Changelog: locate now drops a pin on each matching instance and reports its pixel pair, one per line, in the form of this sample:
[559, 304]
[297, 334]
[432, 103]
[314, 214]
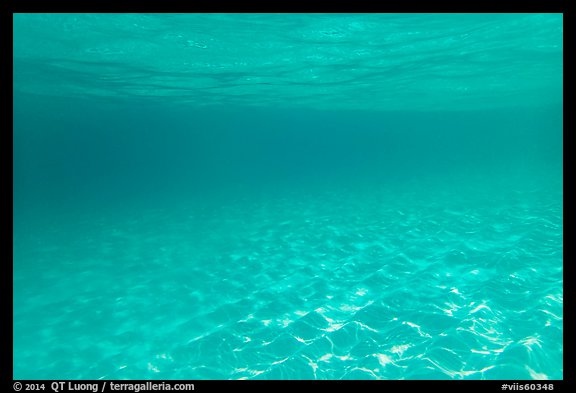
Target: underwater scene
[288, 196]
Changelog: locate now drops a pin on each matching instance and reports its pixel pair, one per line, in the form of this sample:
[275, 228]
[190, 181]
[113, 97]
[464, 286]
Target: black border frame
[420, 6]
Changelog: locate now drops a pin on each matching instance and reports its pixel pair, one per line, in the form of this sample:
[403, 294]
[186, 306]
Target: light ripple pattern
[339, 285]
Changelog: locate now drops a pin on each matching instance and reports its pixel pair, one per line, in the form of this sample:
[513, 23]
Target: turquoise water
[297, 196]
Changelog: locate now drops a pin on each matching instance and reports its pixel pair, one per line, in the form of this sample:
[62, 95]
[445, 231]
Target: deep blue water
[303, 196]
